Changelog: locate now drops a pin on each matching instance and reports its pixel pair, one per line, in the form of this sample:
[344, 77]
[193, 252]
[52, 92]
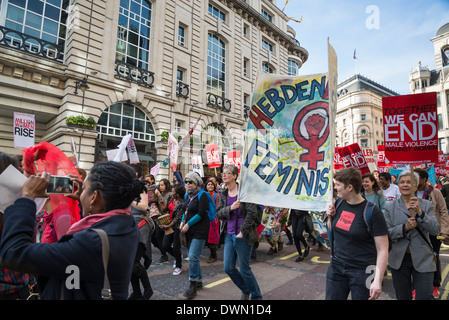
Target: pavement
[278, 275]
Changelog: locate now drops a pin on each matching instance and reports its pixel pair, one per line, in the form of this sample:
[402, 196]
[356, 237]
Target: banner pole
[412, 174]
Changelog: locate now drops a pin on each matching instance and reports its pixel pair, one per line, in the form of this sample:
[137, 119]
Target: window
[44, 19]
[216, 65]
[267, 46]
[364, 142]
[267, 68]
[212, 134]
[217, 13]
[181, 36]
[440, 122]
[293, 68]
[180, 75]
[266, 15]
[122, 118]
[363, 117]
[246, 67]
[133, 35]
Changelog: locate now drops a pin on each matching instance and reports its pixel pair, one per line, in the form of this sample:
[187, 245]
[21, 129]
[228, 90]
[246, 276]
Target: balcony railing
[16, 40]
[182, 89]
[218, 102]
[132, 73]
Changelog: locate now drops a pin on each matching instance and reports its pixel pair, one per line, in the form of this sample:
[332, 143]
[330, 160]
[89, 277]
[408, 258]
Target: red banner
[352, 156]
[213, 156]
[411, 128]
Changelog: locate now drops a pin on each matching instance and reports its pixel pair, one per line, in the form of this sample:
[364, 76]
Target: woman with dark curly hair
[73, 266]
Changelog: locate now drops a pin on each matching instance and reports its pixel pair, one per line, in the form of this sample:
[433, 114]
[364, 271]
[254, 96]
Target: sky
[389, 37]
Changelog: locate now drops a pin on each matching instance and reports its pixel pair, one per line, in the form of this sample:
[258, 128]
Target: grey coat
[250, 215]
[396, 216]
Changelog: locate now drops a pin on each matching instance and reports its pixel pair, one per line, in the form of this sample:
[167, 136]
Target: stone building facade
[359, 112]
[141, 67]
[422, 79]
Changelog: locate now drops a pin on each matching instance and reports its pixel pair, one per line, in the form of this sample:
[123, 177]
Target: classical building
[359, 112]
[421, 80]
[138, 66]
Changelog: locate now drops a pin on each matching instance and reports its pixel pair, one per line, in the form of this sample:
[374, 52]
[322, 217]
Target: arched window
[216, 66]
[213, 134]
[293, 68]
[122, 118]
[43, 19]
[133, 35]
[266, 67]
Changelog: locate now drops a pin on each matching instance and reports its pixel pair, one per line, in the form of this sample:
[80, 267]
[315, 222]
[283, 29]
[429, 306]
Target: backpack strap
[368, 214]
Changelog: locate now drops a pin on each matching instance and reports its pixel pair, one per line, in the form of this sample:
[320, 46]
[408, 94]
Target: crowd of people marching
[376, 222]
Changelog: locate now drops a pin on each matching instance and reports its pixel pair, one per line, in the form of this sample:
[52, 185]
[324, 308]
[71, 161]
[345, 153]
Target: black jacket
[82, 250]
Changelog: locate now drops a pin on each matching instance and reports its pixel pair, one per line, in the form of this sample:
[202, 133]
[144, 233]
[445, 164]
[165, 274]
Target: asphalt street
[278, 275]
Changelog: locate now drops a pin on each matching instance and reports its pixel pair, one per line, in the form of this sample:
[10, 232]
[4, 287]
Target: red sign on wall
[411, 128]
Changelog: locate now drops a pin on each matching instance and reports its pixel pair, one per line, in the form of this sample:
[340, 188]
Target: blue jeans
[195, 247]
[342, 278]
[244, 279]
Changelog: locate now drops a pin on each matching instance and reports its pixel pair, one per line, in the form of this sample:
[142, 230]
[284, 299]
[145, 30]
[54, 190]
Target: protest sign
[132, 151]
[155, 170]
[213, 156]
[172, 152]
[233, 157]
[411, 128]
[24, 130]
[338, 162]
[369, 157]
[197, 164]
[288, 150]
[352, 156]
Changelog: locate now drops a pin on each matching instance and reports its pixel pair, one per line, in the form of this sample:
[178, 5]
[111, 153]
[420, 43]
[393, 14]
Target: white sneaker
[177, 271]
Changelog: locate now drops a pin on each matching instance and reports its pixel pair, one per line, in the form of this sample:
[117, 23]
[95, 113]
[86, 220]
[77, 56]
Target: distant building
[421, 80]
[359, 112]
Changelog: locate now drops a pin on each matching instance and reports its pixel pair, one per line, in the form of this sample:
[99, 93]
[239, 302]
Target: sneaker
[245, 296]
[177, 271]
[436, 292]
[163, 259]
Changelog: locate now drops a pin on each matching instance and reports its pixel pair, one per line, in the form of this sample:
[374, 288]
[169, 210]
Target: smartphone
[60, 184]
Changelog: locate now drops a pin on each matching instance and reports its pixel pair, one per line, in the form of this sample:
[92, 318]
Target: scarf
[89, 221]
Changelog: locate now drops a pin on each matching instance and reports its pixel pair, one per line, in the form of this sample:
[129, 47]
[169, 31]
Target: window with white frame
[293, 68]
[42, 19]
[181, 36]
[267, 68]
[213, 10]
[212, 134]
[267, 46]
[121, 119]
[133, 35]
[216, 65]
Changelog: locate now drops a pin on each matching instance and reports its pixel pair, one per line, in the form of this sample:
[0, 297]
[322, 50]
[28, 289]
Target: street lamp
[82, 85]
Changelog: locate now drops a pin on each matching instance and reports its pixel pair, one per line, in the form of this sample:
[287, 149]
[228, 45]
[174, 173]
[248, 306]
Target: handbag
[308, 223]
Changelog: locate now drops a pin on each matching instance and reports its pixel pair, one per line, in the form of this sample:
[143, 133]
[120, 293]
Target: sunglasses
[189, 182]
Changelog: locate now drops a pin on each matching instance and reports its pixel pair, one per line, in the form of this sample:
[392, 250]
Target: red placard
[411, 128]
[352, 156]
[213, 156]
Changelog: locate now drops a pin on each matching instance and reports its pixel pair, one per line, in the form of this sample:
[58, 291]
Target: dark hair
[423, 174]
[117, 183]
[166, 184]
[386, 175]
[138, 169]
[207, 181]
[6, 160]
[376, 187]
[350, 176]
[180, 190]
